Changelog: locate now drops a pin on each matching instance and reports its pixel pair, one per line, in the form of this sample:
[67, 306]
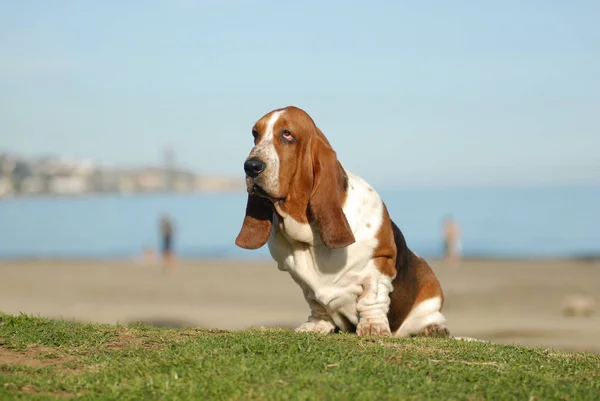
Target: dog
[330, 230]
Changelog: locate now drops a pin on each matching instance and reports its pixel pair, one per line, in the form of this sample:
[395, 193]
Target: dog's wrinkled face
[293, 167]
[280, 139]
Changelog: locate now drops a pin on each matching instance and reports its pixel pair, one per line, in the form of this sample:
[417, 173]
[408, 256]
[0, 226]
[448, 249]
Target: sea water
[495, 222]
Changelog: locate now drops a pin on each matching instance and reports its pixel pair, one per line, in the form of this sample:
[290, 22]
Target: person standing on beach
[452, 245]
[166, 233]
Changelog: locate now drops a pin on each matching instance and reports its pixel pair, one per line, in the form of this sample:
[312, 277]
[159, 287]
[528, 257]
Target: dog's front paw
[373, 329]
[321, 326]
[434, 330]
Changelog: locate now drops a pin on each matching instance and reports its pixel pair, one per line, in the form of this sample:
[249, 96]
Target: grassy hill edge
[45, 359]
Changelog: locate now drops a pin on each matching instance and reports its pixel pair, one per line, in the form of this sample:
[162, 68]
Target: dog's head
[292, 165]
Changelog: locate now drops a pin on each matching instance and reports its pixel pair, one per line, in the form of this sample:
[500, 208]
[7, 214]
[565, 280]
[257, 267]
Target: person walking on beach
[166, 233]
[451, 235]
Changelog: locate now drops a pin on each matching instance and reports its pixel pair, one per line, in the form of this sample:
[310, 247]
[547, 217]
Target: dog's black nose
[253, 167]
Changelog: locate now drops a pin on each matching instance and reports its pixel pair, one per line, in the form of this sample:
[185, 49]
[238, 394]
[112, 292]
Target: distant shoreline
[239, 188]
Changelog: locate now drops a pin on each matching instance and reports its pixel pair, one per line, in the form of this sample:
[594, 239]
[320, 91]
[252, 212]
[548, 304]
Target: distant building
[149, 181]
[126, 185]
[68, 185]
[7, 165]
[6, 187]
[34, 185]
[54, 175]
[169, 165]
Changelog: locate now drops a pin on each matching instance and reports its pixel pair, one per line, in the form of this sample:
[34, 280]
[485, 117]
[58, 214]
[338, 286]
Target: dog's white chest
[293, 230]
[332, 277]
[325, 276]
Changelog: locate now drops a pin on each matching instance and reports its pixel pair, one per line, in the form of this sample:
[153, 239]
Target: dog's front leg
[373, 305]
[319, 320]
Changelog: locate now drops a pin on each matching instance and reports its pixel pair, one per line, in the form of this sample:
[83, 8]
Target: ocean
[518, 222]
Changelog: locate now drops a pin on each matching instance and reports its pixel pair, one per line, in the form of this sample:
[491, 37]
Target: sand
[508, 302]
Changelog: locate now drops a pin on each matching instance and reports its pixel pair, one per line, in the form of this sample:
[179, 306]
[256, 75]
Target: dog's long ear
[330, 184]
[257, 223]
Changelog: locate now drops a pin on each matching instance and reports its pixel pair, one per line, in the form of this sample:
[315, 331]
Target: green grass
[44, 359]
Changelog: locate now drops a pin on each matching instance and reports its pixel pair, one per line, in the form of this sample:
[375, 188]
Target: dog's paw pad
[373, 329]
[434, 330]
[322, 327]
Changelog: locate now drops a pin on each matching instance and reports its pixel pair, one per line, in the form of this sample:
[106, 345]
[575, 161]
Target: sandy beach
[508, 302]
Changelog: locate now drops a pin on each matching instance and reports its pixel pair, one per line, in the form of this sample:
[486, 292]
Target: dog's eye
[287, 136]
[254, 133]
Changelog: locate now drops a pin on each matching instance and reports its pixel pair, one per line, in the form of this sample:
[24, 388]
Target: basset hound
[330, 230]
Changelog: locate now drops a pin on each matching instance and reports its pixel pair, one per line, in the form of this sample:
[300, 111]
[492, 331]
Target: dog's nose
[253, 167]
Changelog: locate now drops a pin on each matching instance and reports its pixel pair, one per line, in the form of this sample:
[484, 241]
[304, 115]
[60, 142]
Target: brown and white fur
[330, 230]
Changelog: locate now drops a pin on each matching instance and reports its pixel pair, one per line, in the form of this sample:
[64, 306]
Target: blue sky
[423, 93]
